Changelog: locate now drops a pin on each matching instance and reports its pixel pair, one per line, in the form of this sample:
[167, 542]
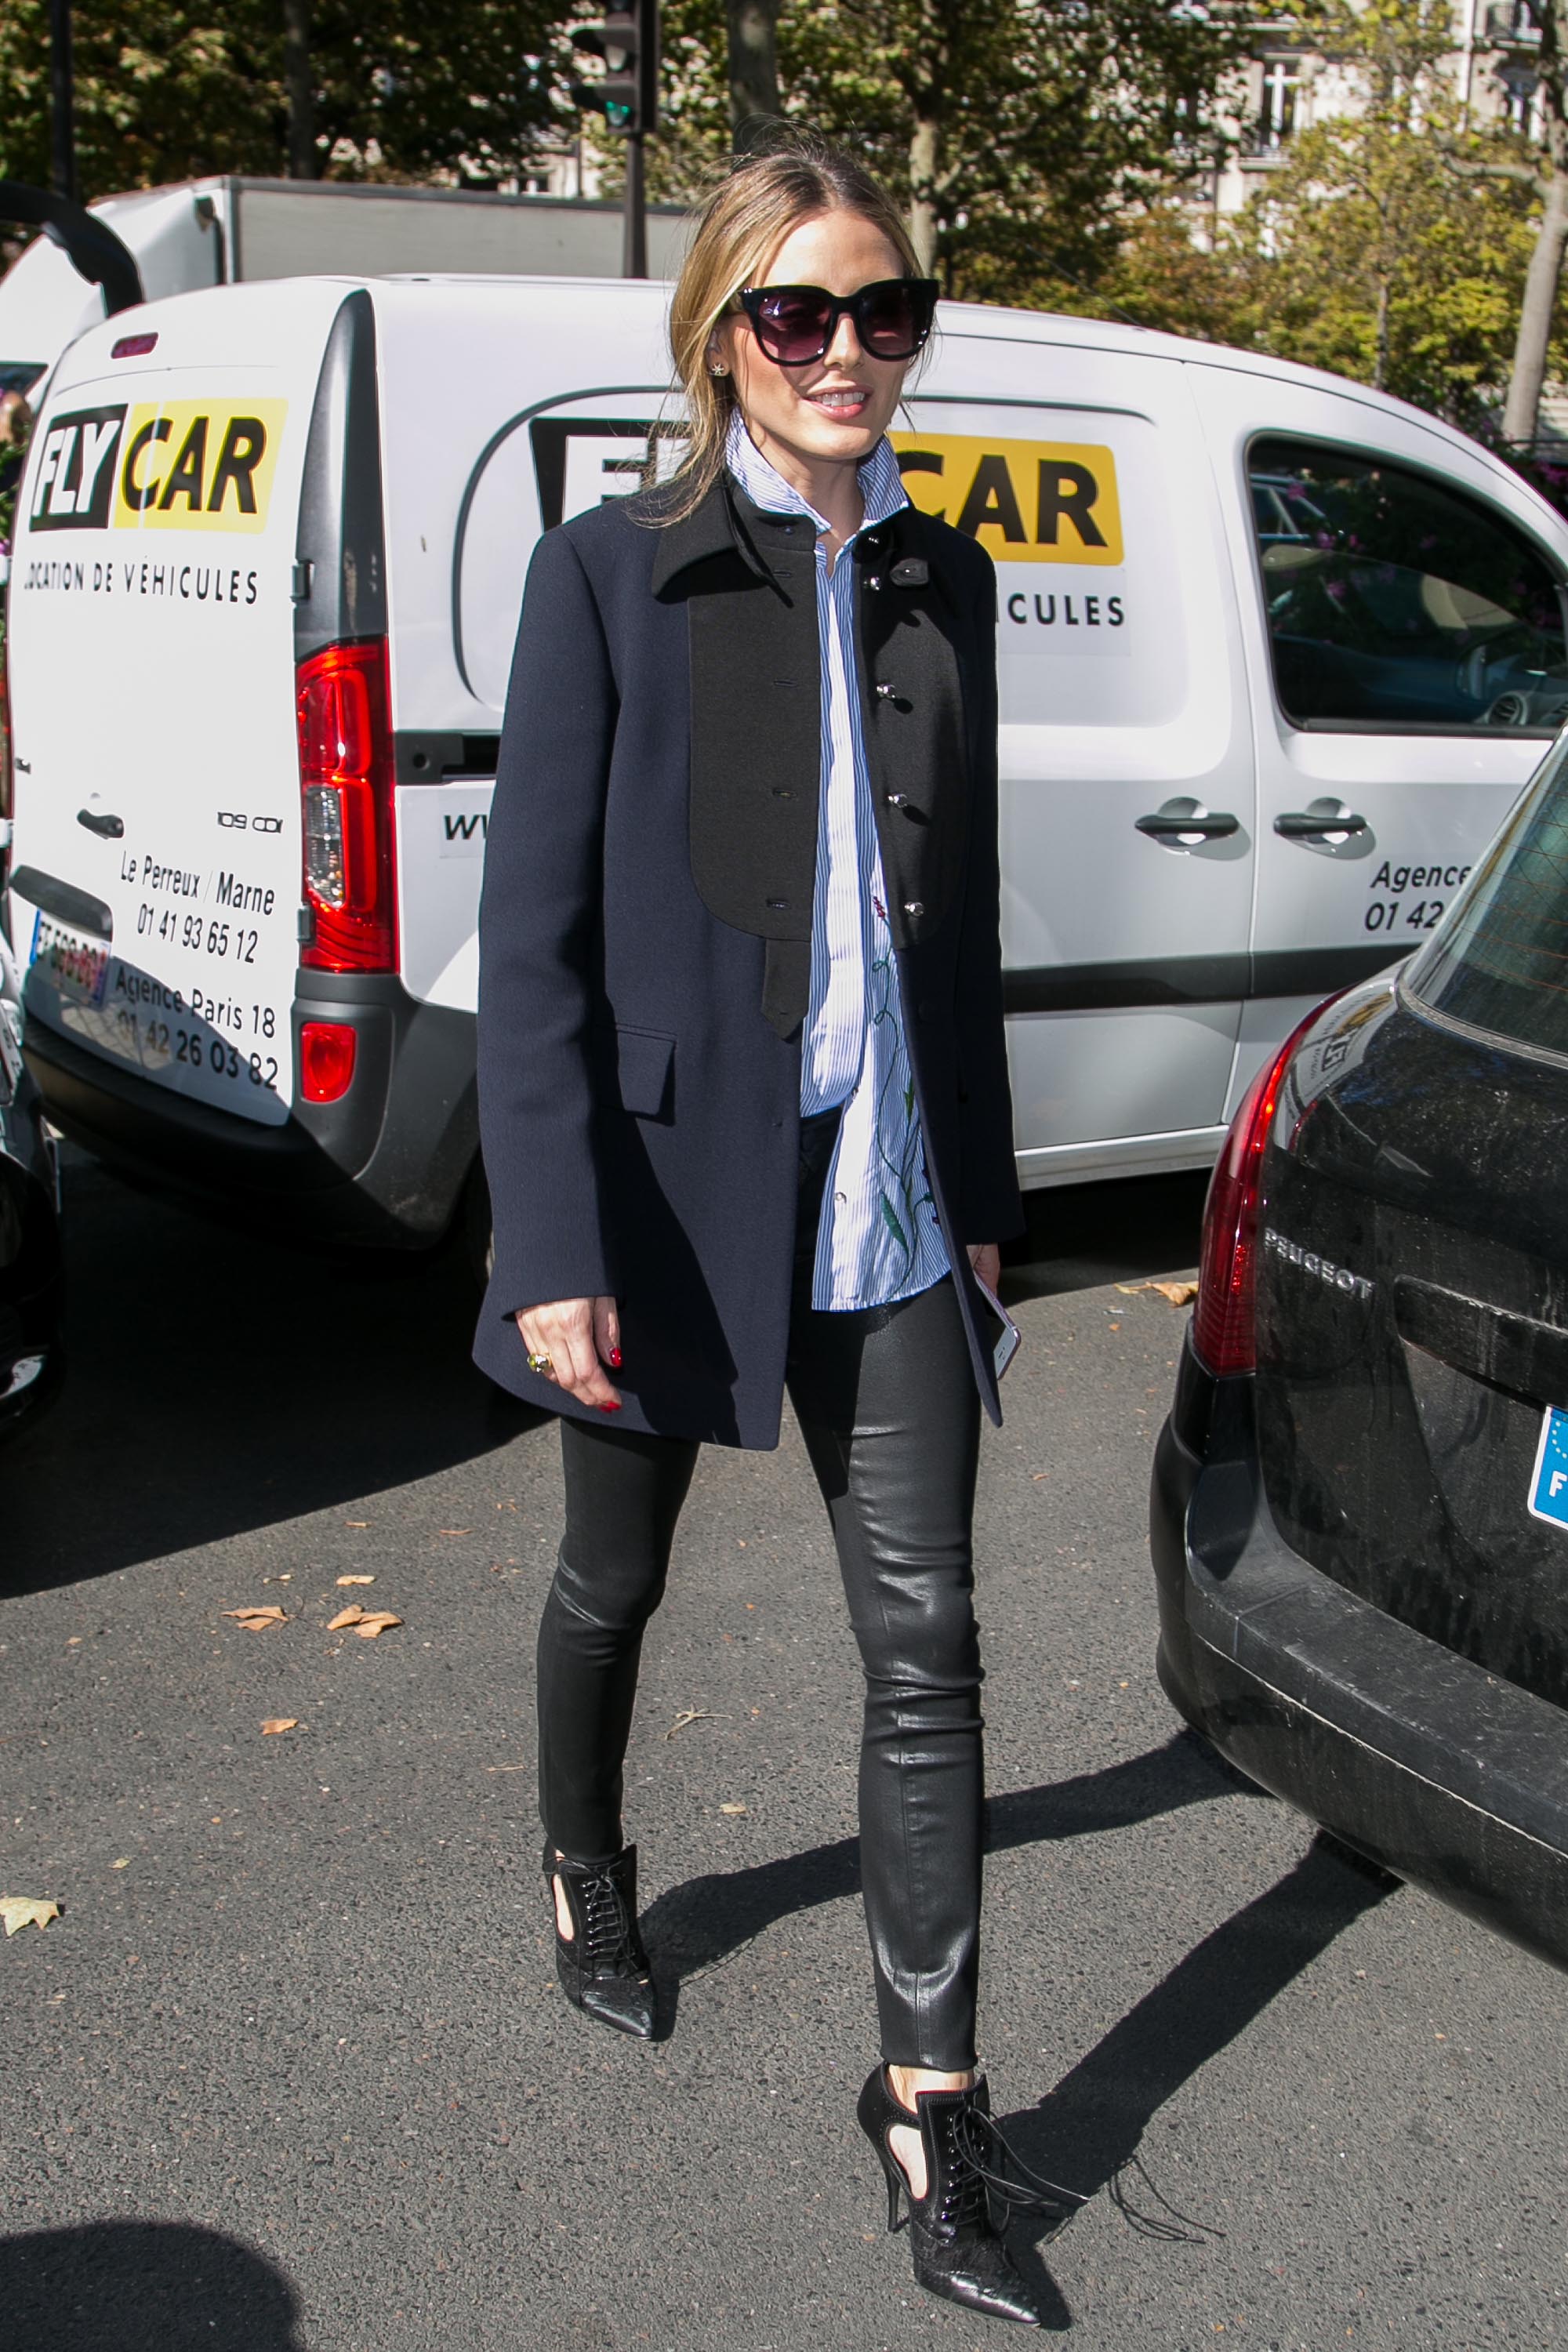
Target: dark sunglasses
[796, 324]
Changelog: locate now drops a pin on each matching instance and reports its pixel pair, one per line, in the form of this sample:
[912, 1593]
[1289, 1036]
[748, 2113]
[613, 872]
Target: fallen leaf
[1131, 1289]
[349, 1616]
[454, 1531]
[688, 1715]
[356, 1579]
[732, 1809]
[276, 1722]
[375, 1622]
[357, 1523]
[27, 1910]
[1180, 1294]
[124, 1864]
[257, 1620]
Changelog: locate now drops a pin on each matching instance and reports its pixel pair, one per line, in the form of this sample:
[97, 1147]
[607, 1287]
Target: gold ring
[541, 1364]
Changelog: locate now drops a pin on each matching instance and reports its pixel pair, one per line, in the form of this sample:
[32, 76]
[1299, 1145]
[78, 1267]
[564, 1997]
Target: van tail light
[327, 1052]
[346, 790]
[1224, 1322]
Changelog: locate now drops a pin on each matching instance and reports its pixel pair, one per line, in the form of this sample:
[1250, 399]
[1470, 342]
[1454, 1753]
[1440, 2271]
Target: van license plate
[75, 965]
[1549, 1480]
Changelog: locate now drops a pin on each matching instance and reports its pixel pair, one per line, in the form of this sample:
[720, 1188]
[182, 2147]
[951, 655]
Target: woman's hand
[580, 1335]
[986, 1258]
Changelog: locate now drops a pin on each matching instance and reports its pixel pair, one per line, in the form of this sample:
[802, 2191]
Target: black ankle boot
[602, 1965]
[958, 2249]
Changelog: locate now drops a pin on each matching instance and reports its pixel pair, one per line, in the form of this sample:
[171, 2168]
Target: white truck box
[1276, 655]
[225, 230]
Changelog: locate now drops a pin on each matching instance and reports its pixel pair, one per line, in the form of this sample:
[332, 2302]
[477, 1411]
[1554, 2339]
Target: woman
[744, 1095]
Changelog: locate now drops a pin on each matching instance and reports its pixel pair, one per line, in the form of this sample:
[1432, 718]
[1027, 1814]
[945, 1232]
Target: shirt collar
[881, 484]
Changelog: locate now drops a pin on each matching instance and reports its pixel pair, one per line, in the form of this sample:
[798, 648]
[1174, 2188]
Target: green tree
[1393, 244]
[169, 89]
[1022, 136]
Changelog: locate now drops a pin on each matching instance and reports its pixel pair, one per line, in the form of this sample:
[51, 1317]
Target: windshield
[1501, 961]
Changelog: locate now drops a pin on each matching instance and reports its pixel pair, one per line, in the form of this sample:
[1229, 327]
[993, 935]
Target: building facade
[1290, 84]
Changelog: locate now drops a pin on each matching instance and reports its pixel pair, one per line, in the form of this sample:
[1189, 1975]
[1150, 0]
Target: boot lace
[963, 2202]
[608, 1941]
[983, 2153]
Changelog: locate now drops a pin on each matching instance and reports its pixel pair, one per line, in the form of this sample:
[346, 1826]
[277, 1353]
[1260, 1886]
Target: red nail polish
[609, 1408]
[615, 1358]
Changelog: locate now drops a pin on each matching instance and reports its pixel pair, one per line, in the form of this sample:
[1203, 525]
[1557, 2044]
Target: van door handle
[108, 828]
[1312, 824]
[1207, 826]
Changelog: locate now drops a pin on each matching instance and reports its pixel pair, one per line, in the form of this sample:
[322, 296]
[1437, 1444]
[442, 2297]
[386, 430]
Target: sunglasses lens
[894, 320]
[791, 326]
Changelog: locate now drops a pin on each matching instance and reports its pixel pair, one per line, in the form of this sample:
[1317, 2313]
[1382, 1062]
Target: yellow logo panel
[197, 464]
[1024, 501]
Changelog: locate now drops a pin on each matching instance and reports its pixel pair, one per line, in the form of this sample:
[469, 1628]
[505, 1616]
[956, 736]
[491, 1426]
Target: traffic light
[626, 95]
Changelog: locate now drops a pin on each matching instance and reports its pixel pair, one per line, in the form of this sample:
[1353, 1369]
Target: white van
[1276, 655]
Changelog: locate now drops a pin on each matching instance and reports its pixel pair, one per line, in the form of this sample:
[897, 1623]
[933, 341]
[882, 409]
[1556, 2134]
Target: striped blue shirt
[879, 1239]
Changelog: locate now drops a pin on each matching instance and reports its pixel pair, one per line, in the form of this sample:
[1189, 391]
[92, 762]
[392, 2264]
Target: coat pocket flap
[642, 1064]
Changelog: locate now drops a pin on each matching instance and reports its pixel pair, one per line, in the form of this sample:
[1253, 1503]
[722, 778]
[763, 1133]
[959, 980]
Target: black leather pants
[887, 1405]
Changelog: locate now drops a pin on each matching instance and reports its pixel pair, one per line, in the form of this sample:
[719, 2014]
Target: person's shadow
[143, 2286]
[1086, 2133]
[696, 1926]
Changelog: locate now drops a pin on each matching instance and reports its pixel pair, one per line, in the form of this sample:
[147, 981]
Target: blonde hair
[762, 197]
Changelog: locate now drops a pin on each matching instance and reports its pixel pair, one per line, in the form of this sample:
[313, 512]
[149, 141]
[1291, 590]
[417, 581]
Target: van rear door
[156, 879]
[1405, 645]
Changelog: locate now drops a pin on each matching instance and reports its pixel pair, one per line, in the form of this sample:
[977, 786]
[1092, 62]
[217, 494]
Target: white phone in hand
[1009, 1337]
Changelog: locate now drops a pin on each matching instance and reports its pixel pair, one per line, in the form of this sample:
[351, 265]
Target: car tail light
[346, 789]
[1224, 1331]
[327, 1050]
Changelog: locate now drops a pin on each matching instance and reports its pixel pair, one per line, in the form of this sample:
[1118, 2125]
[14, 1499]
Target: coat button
[874, 582]
[886, 691]
[913, 907]
[898, 800]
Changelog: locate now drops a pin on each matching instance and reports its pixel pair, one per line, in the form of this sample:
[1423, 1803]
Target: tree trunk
[303, 160]
[1380, 359]
[1521, 409]
[753, 70]
[924, 156]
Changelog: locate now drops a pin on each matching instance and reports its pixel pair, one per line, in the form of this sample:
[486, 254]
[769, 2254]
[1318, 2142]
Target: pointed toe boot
[958, 2249]
[602, 1966]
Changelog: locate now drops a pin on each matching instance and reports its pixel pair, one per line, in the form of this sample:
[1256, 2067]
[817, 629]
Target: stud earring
[718, 370]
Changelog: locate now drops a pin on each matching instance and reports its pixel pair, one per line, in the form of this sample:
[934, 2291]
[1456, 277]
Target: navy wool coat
[644, 933]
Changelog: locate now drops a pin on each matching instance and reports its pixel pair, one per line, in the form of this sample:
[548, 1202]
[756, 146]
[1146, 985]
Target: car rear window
[1501, 962]
[1399, 603]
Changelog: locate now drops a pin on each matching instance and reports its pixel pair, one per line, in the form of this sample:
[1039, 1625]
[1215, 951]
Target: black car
[1359, 1508]
[32, 1282]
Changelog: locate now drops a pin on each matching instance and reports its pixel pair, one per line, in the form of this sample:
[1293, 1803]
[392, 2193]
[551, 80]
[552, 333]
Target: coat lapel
[916, 739]
[749, 584]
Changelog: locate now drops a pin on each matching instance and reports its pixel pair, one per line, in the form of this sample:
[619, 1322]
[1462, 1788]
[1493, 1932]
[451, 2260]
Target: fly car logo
[178, 465]
[1024, 501]
[75, 481]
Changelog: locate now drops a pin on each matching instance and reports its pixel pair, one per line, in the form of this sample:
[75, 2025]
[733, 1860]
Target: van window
[1501, 962]
[1397, 603]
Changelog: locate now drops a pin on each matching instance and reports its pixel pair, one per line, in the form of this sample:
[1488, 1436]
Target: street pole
[62, 100]
[634, 228]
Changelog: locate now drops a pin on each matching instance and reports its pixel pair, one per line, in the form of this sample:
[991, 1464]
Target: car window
[1501, 962]
[1394, 601]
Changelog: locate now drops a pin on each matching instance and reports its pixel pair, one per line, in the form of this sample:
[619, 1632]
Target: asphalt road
[289, 2073]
